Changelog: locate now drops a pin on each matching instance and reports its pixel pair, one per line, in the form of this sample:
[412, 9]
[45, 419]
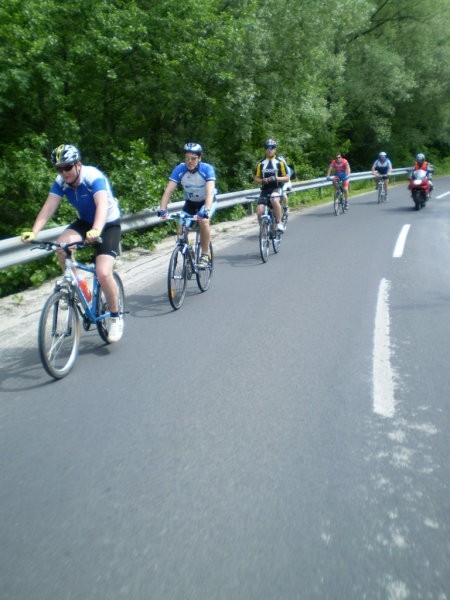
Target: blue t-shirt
[193, 182]
[91, 181]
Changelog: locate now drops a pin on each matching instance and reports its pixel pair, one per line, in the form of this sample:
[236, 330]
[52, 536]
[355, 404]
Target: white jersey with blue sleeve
[91, 180]
[193, 181]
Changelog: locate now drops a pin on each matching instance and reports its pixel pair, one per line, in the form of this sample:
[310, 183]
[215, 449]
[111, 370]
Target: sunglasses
[191, 158]
[66, 168]
[270, 147]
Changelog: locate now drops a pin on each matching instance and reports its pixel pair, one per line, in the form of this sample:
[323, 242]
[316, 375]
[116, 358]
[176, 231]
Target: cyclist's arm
[101, 210]
[47, 211]
[210, 188]
[170, 188]
[258, 178]
[283, 178]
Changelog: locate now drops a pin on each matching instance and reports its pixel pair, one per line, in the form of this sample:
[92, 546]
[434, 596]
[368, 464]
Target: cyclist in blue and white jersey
[198, 180]
[88, 190]
[271, 173]
[382, 166]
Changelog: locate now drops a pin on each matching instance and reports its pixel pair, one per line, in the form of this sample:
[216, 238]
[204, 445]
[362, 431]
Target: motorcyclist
[421, 163]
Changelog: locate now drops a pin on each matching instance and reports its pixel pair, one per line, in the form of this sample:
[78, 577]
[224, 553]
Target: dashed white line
[401, 240]
[383, 376]
[442, 195]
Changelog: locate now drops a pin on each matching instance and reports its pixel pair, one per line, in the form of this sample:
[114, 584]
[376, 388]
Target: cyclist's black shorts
[110, 236]
[192, 208]
[264, 197]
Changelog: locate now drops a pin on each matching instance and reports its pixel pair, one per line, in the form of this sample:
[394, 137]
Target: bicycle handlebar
[67, 247]
[181, 215]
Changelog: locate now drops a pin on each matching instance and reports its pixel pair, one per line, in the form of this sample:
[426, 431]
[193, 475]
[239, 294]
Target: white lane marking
[400, 244]
[442, 195]
[383, 375]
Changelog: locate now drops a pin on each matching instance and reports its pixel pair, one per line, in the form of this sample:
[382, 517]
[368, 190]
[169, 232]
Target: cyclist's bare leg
[260, 209]
[67, 237]
[276, 206]
[205, 235]
[104, 268]
[345, 188]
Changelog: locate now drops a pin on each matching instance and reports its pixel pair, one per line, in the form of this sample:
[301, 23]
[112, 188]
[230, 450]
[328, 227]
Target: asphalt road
[283, 436]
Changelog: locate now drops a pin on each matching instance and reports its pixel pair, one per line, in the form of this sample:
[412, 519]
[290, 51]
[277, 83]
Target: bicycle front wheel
[103, 325]
[276, 239]
[285, 218]
[338, 203]
[59, 335]
[176, 278]
[204, 275]
[380, 193]
[264, 240]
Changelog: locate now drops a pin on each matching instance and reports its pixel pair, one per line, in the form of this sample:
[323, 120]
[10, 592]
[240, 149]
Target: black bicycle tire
[337, 203]
[264, 241]
[285, 218]
[276, 240]
[104, 324]
[176, 299]
[49, 355]
[204, 275]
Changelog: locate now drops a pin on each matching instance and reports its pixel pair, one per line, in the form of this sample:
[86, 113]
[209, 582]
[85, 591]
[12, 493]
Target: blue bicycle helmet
[194, 148]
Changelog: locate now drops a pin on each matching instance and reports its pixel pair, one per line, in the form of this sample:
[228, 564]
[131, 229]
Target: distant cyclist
[287, 187]
[382, 166]
[198, 180]
[271, 174]
[341, 168]
[91, 194]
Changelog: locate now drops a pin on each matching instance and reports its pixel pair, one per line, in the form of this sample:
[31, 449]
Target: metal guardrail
[13, 252]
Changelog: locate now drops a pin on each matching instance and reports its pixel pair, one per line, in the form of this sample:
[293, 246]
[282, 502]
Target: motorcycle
[420, 187]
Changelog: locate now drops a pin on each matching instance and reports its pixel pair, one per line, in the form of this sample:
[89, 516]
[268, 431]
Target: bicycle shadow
[22, 368]
[241, 260]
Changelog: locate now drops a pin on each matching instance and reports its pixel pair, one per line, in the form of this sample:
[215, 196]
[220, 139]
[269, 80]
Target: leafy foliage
[131, 82]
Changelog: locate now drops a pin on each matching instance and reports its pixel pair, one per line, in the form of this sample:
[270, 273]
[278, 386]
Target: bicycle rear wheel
[176, 278]
[102, 307]
[204, 275]
[264, 240]
[59, 335]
